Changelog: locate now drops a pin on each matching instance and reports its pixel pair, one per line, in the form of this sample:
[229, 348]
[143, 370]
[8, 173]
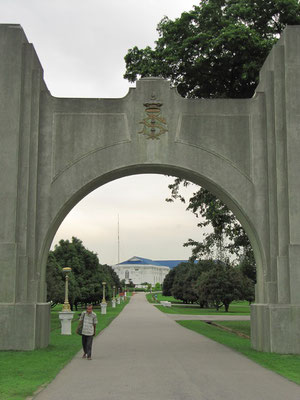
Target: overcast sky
[81, 46]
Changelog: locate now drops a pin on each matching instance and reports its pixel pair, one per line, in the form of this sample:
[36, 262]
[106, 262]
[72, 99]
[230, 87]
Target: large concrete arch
[54, 151]
[64, 209]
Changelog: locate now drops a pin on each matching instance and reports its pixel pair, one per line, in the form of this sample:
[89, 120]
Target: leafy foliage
[183, 285]
[220, 286]
[227, 232]
[247, 266]
[168, 282]
[85, 280]
[55, 283]
[216, 49]
[208, 282]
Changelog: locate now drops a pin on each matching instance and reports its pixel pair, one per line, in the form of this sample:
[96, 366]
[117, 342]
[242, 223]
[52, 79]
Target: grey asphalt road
[145, 355]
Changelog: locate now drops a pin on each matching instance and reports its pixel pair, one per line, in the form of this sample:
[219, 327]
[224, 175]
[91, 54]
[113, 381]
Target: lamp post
[118, 297]
[122, 294]
[66, 306]
[66, 315]
[103, 303]
[114, 299]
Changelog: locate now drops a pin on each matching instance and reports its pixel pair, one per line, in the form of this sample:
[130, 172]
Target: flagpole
[118, 240]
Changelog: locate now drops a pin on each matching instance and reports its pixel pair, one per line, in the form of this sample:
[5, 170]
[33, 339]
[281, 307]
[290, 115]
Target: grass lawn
[178, 307]
[285, 365]
[23, 372]
[160, 297]
[239, 326]
[241, 308]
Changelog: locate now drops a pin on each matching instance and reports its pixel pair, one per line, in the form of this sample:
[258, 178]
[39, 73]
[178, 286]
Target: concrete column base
[66, 320]
[275, 328]
[103, 308]
[24, 326]
[113, 303]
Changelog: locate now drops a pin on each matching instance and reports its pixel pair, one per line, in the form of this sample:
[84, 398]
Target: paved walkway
[146, 355]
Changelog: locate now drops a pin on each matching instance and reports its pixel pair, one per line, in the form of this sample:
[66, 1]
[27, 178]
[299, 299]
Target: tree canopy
[85, 281]
[216, 49]
[227, 233]
[223, 284]
[54, 279]
[209, 283]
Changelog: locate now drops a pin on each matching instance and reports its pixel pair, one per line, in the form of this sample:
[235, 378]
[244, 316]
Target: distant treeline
[209, 283]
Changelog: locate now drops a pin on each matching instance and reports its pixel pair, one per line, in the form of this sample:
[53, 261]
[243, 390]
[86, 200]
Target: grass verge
[178, 307]
[23, 372]
[150, 297]
[238, 326]
[287, 365]
[188, 310]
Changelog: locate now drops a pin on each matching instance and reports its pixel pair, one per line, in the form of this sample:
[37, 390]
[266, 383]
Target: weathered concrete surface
[55, 151]
[144, 355]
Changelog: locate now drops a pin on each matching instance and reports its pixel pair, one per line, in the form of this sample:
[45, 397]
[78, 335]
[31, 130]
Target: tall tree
[184, 280]
[178, 287]
[226, 232]
[221, 285]
[85, 284]
[55, 283]
[246, 267]
[216, 49]
[168, 282]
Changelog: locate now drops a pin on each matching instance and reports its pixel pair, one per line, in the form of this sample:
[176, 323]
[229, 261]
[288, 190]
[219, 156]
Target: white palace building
[140, 270]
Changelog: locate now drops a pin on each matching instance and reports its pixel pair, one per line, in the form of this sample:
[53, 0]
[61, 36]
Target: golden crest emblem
[154, 125]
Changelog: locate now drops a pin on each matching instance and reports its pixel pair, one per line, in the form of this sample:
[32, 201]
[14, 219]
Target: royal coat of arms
[154, 125]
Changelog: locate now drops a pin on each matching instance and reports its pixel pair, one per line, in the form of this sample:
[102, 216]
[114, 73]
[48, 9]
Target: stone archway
[55, 151]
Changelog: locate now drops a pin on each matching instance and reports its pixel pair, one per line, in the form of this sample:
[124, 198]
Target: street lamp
[103, 303]
[114, 299]
[66, 306]
[103, 299]
[66, 315]
[118, 298]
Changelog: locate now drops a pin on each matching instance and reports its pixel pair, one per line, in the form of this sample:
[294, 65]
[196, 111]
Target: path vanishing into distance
[144, 354]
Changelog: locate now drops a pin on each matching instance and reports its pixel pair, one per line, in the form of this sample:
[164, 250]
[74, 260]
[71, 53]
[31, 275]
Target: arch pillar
[277, 326]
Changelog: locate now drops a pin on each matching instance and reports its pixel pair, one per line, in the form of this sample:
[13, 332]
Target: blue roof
[146, 261]
[171, 263]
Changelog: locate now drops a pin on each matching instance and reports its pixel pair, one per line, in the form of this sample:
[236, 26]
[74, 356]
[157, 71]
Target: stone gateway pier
[54, 151]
